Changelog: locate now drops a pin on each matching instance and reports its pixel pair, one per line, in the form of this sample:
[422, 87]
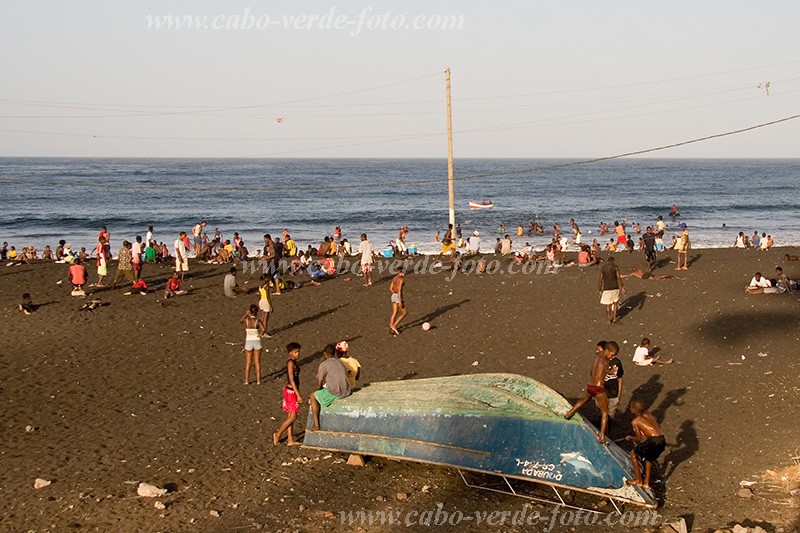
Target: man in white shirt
[475, 243]
[367, 251]
[760, 285]
[759, 281]
[181, 260]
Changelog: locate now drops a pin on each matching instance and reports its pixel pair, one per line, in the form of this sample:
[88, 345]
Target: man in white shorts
[610, 287]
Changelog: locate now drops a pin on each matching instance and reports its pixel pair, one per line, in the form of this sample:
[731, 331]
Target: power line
[133, 113]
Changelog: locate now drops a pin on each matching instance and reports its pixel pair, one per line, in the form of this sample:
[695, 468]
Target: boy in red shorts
[595, 388]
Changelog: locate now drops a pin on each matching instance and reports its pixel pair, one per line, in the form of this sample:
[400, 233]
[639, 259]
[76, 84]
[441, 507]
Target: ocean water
[44, 200]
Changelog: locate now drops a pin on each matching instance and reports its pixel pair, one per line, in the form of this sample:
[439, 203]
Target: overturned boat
[500, 424]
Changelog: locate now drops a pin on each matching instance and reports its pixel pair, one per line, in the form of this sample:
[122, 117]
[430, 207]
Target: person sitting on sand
[26, 306]
[584, 256]
[783, 281]
[332, 384]
[474, 243]
[641, 356]
[47, 254]
[788, 257]
[150, 253]
[229, 287]
[173, 287]
[77, 277]
[350, 363]
[208, 251]
[316, 273]
[595, 389]
[761, 285]
[637, 272]
[292, 400]
[650, 443]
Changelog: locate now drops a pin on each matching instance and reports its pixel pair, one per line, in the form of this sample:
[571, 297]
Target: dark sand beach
[147, 390]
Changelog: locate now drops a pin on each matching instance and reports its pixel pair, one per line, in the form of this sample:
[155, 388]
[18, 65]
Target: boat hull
[476, 205]
[499, 424]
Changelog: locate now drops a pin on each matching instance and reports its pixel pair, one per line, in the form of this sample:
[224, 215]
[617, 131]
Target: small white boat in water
[485, 204]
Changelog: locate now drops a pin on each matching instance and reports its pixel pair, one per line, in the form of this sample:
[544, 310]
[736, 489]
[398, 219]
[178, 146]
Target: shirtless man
[399, 310]
[637, 272]
[595, 388]
[610, 287]
[650, 443]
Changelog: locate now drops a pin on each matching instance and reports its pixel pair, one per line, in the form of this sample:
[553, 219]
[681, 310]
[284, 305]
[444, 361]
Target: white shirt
[740, 242]
[197, 230]
[148, 238]
[366, 250]
[180, 248]
[642, 356]
[763, 282]
[136, 251]
[475, 244]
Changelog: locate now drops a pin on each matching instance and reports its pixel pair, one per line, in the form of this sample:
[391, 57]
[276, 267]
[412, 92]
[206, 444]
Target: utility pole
[450, 193]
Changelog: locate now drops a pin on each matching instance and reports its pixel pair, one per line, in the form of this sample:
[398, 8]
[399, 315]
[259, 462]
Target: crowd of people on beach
[338, 373]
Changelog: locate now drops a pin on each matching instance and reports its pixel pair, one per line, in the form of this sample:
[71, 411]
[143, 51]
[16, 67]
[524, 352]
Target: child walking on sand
[291, 396]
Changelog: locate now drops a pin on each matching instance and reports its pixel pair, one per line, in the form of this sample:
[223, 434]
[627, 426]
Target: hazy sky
[530, 79]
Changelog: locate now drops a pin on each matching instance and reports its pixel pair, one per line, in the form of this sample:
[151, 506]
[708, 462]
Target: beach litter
[41, 483]
[147, 490]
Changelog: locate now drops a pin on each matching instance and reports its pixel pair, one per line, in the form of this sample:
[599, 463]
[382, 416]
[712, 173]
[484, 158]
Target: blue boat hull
[499, 438]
